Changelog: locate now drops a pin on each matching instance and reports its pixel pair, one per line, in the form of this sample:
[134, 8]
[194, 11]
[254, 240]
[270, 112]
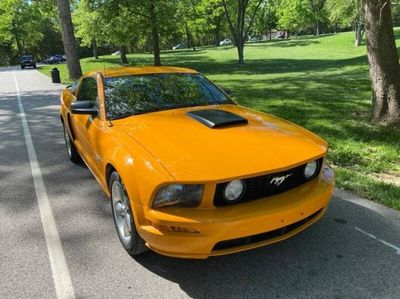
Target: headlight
[310, 169]
[178, 194]
[234, 191]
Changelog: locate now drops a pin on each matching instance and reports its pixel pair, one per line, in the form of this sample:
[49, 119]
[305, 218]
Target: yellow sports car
[189, 172]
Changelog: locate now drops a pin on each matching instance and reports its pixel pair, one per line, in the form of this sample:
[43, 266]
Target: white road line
[59, 268]
[379, 240]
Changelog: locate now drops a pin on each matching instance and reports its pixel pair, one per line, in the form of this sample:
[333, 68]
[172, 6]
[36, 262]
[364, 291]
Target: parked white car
[116, 53]
[225, 42]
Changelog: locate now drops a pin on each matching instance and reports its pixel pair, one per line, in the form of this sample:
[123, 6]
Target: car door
[89, 128]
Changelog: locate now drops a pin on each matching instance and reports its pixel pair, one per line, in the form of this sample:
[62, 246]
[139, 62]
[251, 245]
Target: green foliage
[203, 19]
[20, 23]
[28, 27]
[266, 18]
[294, 14]
[123, 22]
[88, 22]
[343, 12]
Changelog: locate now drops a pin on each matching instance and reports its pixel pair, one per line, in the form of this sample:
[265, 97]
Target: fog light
[234, 191]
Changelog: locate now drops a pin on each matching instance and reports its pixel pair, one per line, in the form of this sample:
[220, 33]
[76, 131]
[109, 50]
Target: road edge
[369, 204]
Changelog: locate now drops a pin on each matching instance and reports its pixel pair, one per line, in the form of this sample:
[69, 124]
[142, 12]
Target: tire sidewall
[69, 152]
[73, 156]
[128, 246]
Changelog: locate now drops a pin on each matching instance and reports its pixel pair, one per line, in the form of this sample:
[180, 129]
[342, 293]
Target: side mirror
[228, 91]
[84, 107]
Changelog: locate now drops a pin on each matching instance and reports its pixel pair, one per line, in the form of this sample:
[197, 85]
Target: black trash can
[55, 75]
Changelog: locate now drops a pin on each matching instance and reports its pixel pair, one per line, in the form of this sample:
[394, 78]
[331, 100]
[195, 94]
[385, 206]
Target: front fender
[138, 169]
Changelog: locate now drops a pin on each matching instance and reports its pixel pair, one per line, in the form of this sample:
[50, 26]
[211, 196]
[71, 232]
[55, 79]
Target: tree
[318, 12]
[135, 21]
[293, 14]
[20, 24]
[347, 12]
[154, 31]
[118, 26]
[244, 21]
[67, 31]
[211, 19]
[88, 23]
[266, 18]
[383, 61]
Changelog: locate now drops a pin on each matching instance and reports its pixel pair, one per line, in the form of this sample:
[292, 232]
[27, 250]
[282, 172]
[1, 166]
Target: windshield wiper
[125, 115]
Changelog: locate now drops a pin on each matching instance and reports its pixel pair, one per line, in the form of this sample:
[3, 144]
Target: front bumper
[27, 63]
[200, 233]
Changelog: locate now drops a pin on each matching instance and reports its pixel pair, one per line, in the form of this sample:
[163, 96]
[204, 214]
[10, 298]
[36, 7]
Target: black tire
[22, 67]
[34, 66]
[72, 152]
[136, 245]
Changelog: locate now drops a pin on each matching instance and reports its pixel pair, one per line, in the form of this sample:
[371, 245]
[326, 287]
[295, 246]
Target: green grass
[319, 83]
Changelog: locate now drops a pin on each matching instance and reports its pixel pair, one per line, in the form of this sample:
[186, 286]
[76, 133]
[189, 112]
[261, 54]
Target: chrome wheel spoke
[127, 225]
[123, 218]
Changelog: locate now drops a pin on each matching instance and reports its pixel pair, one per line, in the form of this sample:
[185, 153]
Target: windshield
[27, 57]
[137, 94]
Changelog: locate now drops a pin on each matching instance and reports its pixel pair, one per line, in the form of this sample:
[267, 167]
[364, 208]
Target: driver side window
[88, 90]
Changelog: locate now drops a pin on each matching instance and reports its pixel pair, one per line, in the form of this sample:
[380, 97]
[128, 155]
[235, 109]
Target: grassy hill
[320, 83]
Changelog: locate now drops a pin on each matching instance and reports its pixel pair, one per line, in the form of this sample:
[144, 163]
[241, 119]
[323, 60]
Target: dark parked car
[27, 60]
[56, 58]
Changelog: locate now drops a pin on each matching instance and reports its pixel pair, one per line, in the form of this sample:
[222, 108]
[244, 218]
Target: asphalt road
[353, 252]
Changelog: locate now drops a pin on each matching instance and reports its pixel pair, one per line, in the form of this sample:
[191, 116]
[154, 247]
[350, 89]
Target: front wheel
[123, 217]
[72, 152]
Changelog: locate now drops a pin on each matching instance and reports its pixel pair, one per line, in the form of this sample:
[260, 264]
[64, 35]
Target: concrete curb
[376, 207]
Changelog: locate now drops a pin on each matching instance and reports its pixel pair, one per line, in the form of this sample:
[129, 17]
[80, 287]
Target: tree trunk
[217, 32]
[67, 32]
[189, 36]
[154, 34]
[239, 31]
[122, 50]
[270, 34]
[317, 28]
[95, 52]
[240, 49]
[20, 48]
[358, 34]
[384, 62]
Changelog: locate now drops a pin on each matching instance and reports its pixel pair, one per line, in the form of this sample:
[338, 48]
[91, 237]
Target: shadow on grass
[261, 66]
[288, 43]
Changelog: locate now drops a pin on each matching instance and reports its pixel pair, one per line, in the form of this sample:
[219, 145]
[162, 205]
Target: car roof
[144, 70]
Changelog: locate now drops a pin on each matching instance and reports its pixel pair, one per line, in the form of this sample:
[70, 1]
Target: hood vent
[214, 118]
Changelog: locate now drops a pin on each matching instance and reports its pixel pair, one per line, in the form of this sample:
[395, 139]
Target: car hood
[192, 151]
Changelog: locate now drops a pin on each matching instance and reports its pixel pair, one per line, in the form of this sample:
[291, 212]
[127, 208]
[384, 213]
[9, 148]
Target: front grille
[266, 185]
[263, 236]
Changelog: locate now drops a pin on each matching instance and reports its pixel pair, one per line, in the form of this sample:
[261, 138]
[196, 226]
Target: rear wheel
[22, 67]
[71, 149]
[123, 217]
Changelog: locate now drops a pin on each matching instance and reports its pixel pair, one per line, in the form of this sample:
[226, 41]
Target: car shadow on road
[330, 259]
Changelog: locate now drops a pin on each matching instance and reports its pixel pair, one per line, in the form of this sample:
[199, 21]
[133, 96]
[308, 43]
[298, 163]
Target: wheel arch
[68, 121]
[109, 170]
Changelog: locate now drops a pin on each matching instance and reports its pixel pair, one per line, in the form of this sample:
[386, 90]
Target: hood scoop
[214, 118]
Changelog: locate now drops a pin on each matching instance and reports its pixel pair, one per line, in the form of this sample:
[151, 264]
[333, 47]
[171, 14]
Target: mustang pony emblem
[277, 181]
